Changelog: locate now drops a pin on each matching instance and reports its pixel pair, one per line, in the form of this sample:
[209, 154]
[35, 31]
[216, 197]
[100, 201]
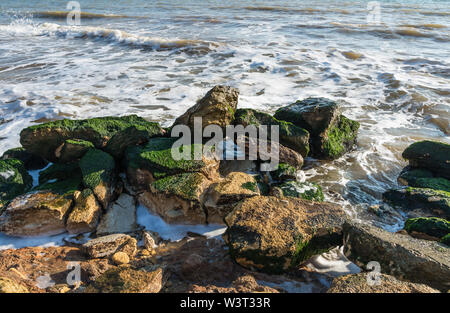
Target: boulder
[108, 245]
[85, 214]
[120, 258]
[120, 217]
[420, 178]
[284, 172]
[59, 172]
[222, 196]
[402, 256]
[291, 136]
[99, 174]
[217, 107]
[178, 198]
[31, 161]
[430, 155]
[14, 180]
[72, 150]
[127, 280]
[431, 226]
[154, 161]
[305, 190]
[332, 134]
[104, 133]
[36, 214]
[274, 235]
[8, 285]
[358, 283]
[436, 202]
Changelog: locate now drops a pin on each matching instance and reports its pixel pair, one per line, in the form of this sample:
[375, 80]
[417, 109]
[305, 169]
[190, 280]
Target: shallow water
[155, 59]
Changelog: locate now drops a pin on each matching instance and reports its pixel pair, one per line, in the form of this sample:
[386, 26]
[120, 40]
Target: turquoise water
[156, 58]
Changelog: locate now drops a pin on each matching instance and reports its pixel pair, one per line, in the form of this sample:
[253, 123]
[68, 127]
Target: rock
[36, 214]
[120, 258]
[223, 195]
[127, 280]
[120, 217]
[107, 133]
[421, 178]
[8, 285]
[64, 187]
[98, 170]
[430, 155]
[72, 149]
[446, 240]
[155, 161]
[31, 161]
[14, 180]
[432, 226]
[435, 201]
[402, 256]
[178, 198]
[108, 245]
[217, 107]
[150, 240]
[273, 235]
[284, 172]
[291, 136]
[358, 283]
[85, 214]
[306, 190]
[243, 284]
[332, 134]
[59, 172]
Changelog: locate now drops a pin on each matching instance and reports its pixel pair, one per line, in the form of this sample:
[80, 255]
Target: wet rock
[431, 226]
[108, 245]
[120, 217]
[332, 134]
[36, 214]
[402, 256]
[273, 235]
[72, 150]
[8, 285]
[430, 155]
[305, 190]
[85, 214]
[14, 180]
[31, 161]
[107, 133]
[127, 280]
[99, 174]
[421, 178]
[284, 172]
[120, 258]
[358, 283]
[437, 202]
[223, 195]
[291, 136]
[217, 107]
[59, 172]
[178, 198]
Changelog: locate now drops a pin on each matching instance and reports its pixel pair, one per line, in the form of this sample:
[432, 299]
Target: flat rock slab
[120, 218]
[402, 256]
[107, 245]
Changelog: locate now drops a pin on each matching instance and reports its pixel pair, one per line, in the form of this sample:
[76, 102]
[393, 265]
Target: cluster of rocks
[94, 172]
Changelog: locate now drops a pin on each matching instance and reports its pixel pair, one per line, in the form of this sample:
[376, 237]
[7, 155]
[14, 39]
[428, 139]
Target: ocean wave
[193, 46]
[86, 15]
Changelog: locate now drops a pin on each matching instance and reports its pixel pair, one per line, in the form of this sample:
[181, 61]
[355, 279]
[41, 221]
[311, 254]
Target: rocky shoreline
[93, 173]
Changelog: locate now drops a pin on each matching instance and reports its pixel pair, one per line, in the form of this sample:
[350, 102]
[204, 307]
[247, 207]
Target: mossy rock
[104, 132]
[64, 187]
[435, 201]
[430, 155]
[14, 179]
[31, 161]
[291, 136]
[306, 190]
[58, 172]
[184, 185]
[72, 150]
[156, 157]
[284, 172]
[446, 240]
[432, 226]
[332, 134]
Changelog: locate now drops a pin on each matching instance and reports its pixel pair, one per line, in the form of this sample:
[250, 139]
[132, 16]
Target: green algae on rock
[436, 202]
[332, 134]
[430, 155]
[14, 179]
[99, 174]
[305, 190]
[274, 235]
[44, 139]
[432, 226]
[421, 178]
[446, 240]
[31, 161]
[72, 150]
[284, 172]
[58, 172]
[291, 136]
